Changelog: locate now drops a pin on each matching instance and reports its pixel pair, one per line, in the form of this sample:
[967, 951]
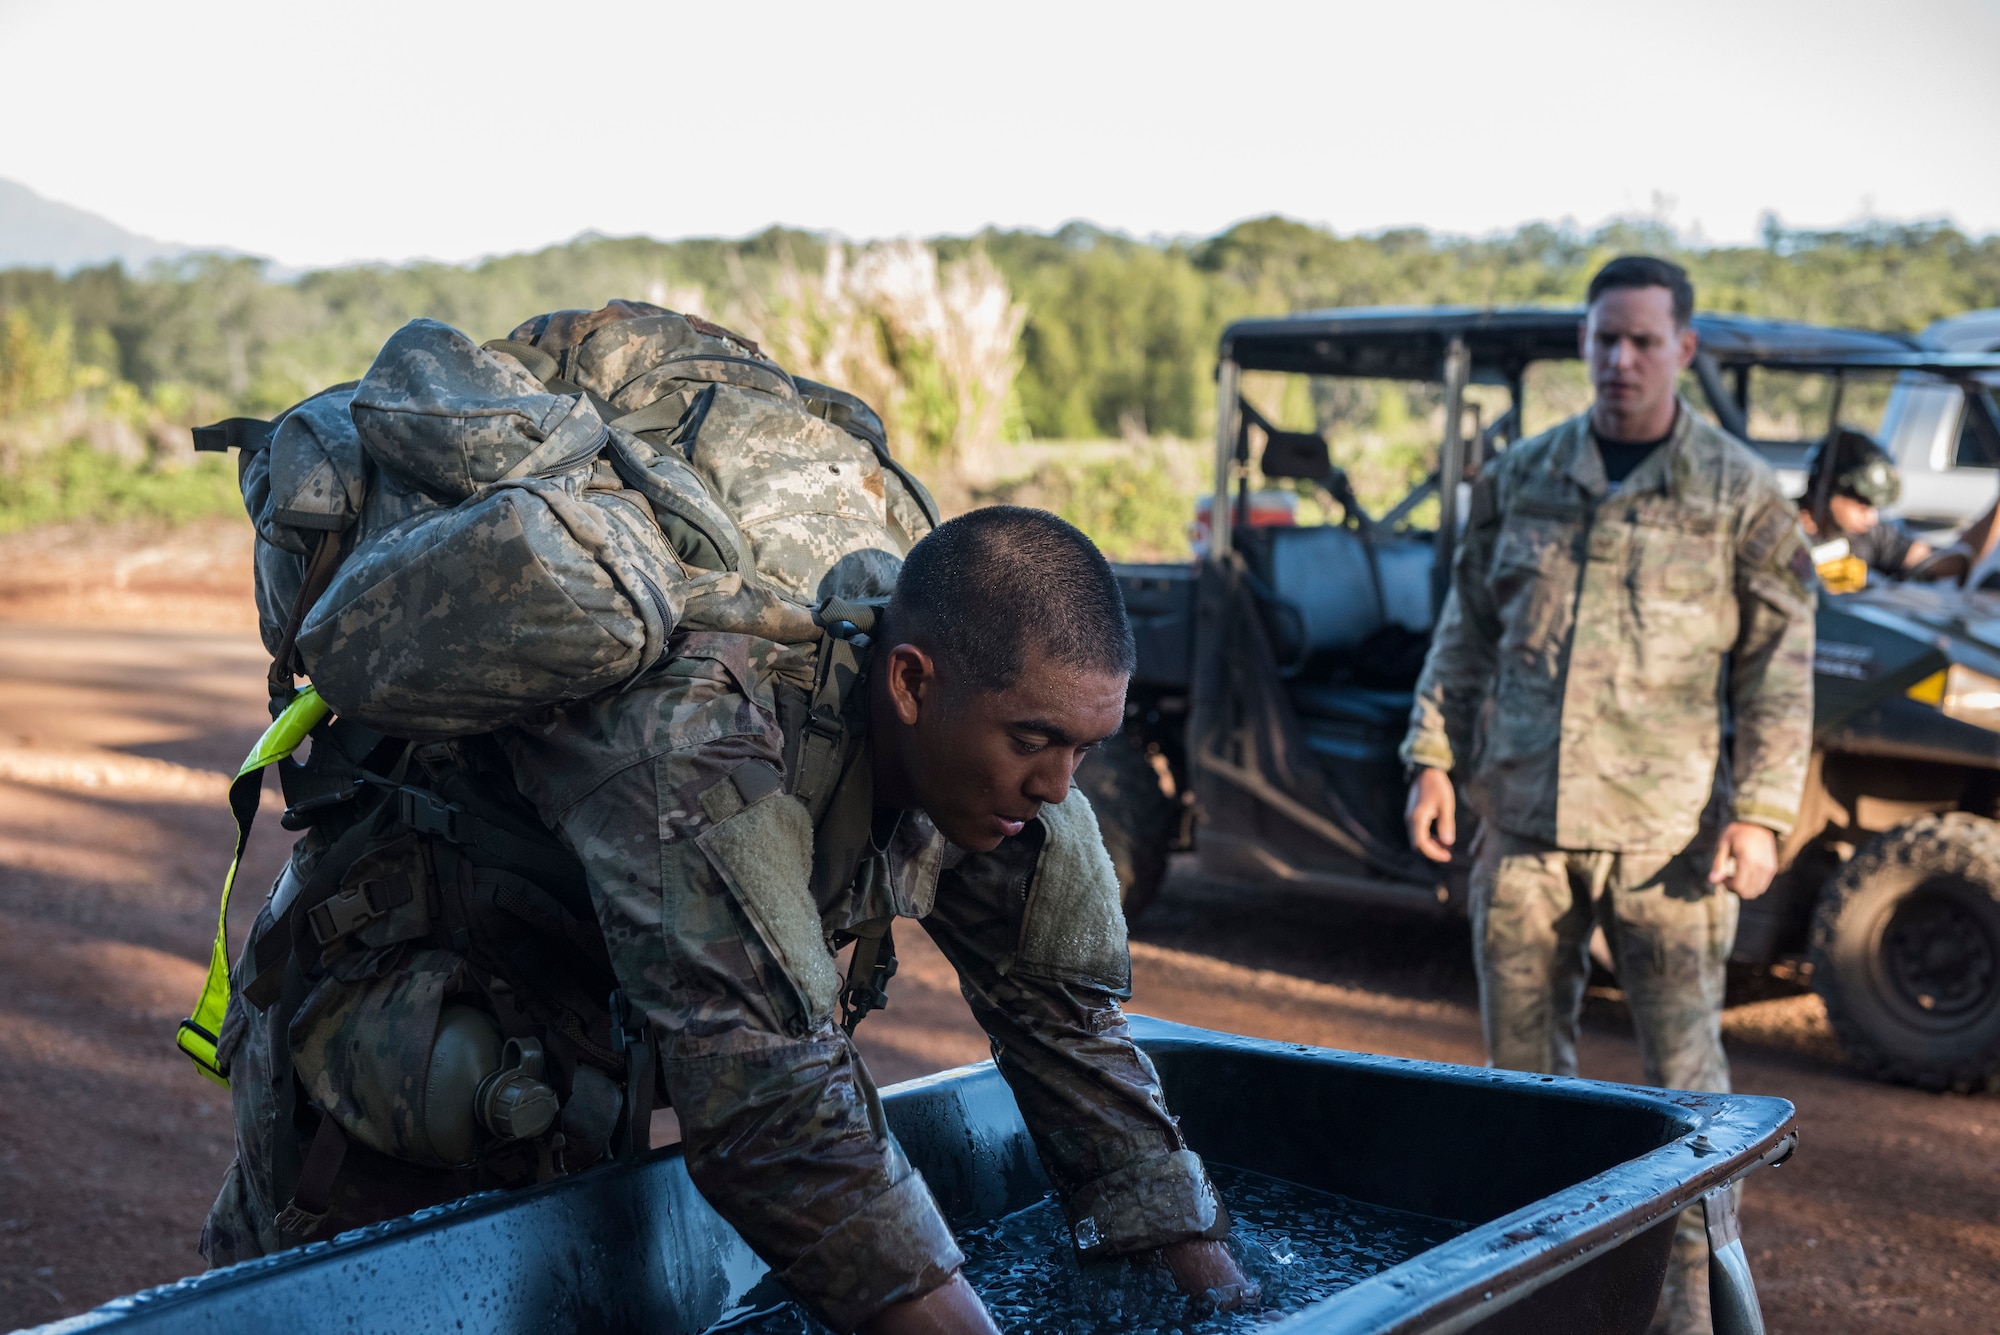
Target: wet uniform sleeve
[1771, 665]
[1458, 670]
[1090, 1097]
[697, 865]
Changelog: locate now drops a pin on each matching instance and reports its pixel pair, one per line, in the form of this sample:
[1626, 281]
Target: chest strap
[869, 970]
[819, 753]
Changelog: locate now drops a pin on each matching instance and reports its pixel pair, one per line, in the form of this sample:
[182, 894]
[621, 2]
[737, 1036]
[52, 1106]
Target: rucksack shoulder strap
[818, 751]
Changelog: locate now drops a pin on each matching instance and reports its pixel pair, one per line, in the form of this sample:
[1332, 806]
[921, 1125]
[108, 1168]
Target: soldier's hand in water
[1205, 1270]
[1432, 803]
[952, 1308]
[1746, 858]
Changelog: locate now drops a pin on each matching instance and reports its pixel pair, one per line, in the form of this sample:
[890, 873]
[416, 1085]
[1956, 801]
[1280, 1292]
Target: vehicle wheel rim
[1940, 956]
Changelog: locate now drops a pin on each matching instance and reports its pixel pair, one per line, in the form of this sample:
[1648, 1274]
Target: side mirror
[1296, 454]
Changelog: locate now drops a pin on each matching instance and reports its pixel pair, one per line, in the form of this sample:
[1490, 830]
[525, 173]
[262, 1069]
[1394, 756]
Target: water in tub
[1302, 1246]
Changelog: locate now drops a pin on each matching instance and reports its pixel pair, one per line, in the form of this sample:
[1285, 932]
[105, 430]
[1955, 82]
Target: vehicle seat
[1360, 706]
[1348, 722]
[1323, 571]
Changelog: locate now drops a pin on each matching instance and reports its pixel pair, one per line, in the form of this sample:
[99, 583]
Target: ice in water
[1301, 1245]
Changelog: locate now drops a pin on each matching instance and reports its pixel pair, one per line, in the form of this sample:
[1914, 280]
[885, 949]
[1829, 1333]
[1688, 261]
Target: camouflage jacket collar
[1665, 470]
[858, 878]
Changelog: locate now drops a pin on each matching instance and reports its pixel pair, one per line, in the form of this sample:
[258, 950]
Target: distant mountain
[37, 233]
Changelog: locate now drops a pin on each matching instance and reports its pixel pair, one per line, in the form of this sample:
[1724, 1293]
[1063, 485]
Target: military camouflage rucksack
[467, 535]
[470, 534]
[803, 469]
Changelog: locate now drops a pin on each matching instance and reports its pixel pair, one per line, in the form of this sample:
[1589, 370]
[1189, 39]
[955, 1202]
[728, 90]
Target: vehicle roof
[1409, 342]
[1974, 331]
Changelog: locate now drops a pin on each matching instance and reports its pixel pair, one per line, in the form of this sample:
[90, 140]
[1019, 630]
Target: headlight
[1968, 696]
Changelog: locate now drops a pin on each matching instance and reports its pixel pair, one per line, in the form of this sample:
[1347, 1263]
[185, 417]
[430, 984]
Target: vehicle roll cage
[1460, 346]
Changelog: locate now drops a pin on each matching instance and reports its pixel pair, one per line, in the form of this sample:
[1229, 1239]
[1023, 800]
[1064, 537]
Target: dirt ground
[131, 683]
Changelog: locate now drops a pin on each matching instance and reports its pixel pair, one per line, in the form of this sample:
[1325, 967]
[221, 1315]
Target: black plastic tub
[1567, 1186]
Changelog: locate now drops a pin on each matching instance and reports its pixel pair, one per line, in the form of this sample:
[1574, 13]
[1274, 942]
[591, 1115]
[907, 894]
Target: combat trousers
[1670, 933]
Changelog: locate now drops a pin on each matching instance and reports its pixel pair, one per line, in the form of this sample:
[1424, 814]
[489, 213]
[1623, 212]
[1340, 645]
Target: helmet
[1861, 468]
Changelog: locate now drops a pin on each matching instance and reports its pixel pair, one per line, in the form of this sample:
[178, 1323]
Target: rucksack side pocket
[533, 593]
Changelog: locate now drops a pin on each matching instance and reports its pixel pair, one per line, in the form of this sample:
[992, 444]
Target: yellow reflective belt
[197, 1036]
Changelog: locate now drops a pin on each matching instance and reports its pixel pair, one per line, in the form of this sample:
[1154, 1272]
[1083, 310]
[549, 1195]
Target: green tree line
[1118, 334]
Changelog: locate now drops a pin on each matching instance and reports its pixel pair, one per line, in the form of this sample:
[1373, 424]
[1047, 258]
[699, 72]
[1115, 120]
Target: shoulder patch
[1767, 533]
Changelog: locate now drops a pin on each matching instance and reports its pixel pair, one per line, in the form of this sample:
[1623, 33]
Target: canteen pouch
[388, 1057]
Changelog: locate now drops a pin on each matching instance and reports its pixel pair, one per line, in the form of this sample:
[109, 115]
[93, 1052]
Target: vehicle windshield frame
[1411, 345]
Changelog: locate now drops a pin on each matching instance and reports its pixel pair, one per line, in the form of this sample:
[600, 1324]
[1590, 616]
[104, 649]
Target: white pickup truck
[1943, 435]
[1946, 443]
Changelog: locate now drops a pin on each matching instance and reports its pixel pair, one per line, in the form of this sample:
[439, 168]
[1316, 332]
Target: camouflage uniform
[719, 901]
[1576, 683]
[716, 894]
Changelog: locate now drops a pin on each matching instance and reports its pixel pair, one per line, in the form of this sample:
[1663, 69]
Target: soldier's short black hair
[1646, 271]
[984, 590]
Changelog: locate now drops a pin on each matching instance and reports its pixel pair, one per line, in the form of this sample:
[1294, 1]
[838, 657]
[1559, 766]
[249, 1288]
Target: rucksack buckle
[427, 813]
[297, 1222]
[354, 907]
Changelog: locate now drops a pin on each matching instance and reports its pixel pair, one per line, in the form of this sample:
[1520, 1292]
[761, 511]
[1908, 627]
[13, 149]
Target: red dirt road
[130, 683]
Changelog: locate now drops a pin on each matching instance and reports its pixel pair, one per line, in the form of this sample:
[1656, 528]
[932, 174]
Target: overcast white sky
[324, 133]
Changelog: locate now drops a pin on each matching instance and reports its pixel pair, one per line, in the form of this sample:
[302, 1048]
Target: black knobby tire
[1136, 816]
[1906, 953]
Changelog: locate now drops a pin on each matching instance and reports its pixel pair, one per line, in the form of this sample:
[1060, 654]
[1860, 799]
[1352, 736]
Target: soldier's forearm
[1772, 691]
[1458, 673]
[1091, 1099]
[1093, 1103]
[785, 1139]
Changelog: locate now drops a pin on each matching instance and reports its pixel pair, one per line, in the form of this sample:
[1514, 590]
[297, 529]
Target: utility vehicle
[1275, 672]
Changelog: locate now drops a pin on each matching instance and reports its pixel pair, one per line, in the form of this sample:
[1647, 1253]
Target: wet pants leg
[1670, 933]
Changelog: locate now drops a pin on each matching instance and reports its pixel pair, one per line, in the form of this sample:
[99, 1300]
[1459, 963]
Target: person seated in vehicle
[945, 795]
[1863, 484]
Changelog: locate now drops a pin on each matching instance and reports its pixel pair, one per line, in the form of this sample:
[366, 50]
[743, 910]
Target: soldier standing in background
[1620, 578]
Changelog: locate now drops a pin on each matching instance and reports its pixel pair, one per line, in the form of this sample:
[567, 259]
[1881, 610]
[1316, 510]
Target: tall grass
[935, 348]
[76, 443]
[1135, 497]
